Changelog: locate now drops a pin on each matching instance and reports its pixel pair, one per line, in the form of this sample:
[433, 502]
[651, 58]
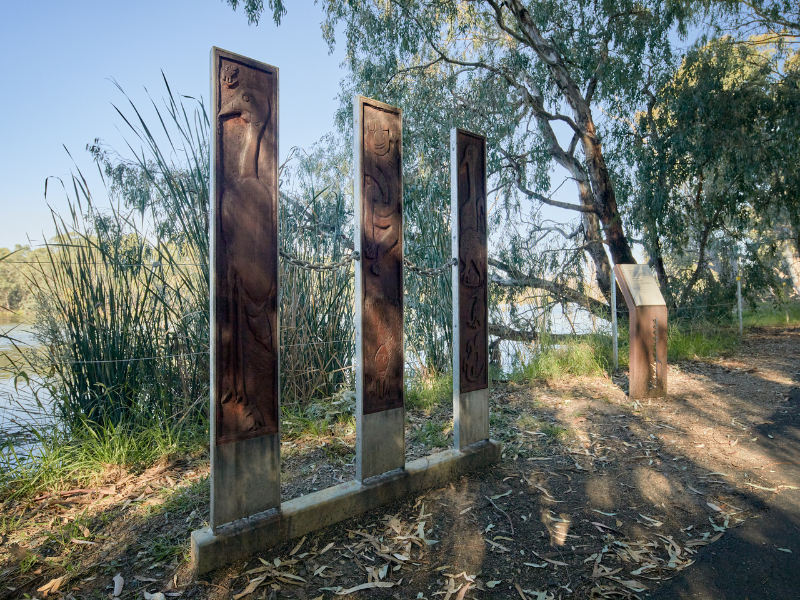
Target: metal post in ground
[614, 337]
[739, 300]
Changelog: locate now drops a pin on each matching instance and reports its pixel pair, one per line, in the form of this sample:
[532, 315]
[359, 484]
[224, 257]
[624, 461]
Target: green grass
[552, 432]
[80, 457]
[571, 357]
[427, 394]
[772, 315]
[432, 434]
[688, 341]
[320, 418]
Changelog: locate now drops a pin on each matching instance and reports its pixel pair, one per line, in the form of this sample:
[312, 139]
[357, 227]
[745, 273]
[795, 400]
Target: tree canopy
[607, 125]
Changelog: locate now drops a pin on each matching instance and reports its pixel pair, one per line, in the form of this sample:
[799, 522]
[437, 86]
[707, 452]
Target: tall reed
[123, 292]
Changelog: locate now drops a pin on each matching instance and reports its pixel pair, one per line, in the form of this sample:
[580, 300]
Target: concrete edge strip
[245, 537]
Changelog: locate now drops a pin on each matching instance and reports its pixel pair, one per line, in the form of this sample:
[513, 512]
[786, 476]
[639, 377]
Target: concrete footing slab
[237, 540]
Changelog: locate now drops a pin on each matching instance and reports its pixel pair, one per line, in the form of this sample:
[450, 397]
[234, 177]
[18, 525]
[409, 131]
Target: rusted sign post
[245, 444]
[470, 288]
[380, 409]
[648, 331]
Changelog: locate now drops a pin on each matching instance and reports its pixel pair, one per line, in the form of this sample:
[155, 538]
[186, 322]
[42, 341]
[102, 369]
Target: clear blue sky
[60, 57]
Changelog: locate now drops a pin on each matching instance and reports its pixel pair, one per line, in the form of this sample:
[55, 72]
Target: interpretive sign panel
[379, 285]
[470, 287]
[648, 331]
[642, 285]
[244, 285]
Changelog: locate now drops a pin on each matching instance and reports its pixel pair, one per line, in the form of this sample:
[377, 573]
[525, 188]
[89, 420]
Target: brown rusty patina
[382, 258]
[245, 259]
[472, 262]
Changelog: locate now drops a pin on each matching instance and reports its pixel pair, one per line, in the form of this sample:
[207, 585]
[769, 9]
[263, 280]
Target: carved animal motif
[473, 363]
[230, 75]
[472, 268]
[381, 220]
[477, 310]
[472, 216]
[246, 218]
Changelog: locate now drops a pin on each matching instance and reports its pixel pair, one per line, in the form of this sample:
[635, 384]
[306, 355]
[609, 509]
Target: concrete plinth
[470, 418]
[242, 538]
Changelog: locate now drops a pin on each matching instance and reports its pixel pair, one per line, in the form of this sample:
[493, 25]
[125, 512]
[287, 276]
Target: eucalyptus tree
[775, 21]
[538, 79]
[715, 171]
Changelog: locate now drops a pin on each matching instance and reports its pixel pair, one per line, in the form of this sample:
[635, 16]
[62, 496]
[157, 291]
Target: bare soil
[596, 497]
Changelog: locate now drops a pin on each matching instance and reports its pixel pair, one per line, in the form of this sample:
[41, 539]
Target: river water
[19, 408]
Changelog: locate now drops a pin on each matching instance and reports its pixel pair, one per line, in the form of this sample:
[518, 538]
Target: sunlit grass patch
[532, 424]
[689, 341]
[426, 394]
[86, 456]
[568, 358]
[330, 417]
[772, 315]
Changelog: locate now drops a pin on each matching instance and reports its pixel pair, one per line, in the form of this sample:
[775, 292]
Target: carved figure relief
[246, 253]
[472, 261]
[382, 257]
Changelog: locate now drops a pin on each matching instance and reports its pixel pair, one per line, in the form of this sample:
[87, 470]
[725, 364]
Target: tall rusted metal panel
[244, 286]
[378, 149]
[470, 288]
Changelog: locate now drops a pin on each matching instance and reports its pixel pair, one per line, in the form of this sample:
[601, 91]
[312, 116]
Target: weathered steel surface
[381, 230]
[648, 335]
[472, 262]
[244, 248]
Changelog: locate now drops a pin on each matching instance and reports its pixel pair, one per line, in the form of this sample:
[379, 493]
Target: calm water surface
[18, 407]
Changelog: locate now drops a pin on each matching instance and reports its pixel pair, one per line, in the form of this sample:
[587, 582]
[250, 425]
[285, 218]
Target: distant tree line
[16, 269]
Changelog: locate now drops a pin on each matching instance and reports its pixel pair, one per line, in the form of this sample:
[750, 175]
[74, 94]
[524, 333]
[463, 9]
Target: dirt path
[596, 497]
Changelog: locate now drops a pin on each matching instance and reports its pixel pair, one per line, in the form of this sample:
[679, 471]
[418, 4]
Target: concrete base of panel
[380, 442]
[471, 418]
[245, 478]
[238, 540]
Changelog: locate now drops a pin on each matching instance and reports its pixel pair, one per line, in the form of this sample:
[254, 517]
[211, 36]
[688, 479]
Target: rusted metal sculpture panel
[648, 332]
[381, 256]
[472, 262]
[245, 248]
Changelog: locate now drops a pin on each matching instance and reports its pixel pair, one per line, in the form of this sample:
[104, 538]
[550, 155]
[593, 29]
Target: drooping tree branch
[558, 290]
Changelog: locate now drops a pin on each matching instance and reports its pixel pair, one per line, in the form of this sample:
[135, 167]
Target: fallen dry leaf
[251, 587]
[119, 582]
[366, 586]
[500, 495]
[52, 585]
[296, 548]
